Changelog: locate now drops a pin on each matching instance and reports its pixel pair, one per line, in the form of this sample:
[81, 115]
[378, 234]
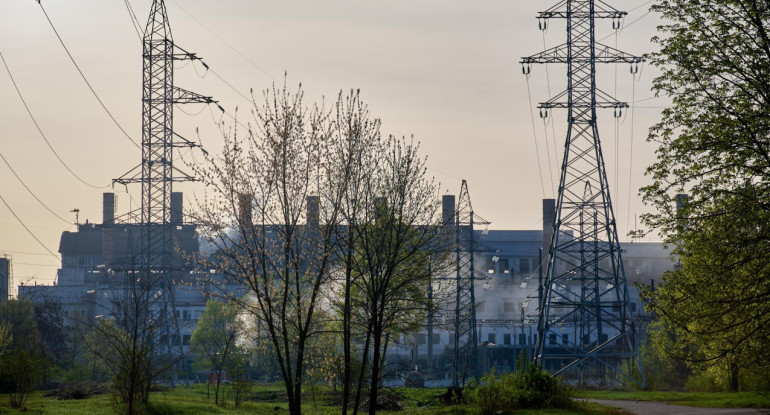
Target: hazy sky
[445, 71]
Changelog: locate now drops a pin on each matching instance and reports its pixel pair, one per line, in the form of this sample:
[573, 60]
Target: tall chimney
[549, 217]
[108, 208]
[244, 209]
[681, 201]
[176, 208]
[313, 210]
[448, 210]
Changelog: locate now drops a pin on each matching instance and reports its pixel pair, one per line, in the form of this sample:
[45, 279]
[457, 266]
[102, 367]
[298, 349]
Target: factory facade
[506, 297]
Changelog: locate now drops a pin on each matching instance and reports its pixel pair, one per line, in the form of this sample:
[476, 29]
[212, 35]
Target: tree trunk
[375, 381]
[216, 389]
[364, 360]
[733, 376]
[346, 317]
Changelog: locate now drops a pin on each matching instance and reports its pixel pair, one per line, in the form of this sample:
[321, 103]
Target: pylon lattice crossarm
[601, 10]
[560, 54]
[183, 96]
[180, 54]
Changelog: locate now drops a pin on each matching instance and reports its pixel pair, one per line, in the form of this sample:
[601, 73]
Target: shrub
[21, 372]
[527, 388]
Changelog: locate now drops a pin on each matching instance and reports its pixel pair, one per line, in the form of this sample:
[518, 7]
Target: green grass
[270, 401]
[702, 399]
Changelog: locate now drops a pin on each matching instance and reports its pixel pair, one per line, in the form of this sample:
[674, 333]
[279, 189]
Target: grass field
[702, 399]
[266, 399]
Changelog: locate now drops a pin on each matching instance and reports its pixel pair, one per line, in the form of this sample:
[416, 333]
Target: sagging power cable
[26, 227]
[40, 130]
[82, 75]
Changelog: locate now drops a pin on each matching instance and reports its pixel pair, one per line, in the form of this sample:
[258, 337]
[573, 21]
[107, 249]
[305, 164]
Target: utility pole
[585, 280]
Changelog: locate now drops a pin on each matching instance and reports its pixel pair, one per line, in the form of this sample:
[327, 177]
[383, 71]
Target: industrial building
[507, 301]
[505, 298]
[95, 258]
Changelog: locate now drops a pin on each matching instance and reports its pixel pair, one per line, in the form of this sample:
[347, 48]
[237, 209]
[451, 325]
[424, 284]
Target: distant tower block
[5, 277]
[585, 283]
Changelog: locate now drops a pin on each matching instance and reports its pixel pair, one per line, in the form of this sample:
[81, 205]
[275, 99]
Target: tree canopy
[714, 145]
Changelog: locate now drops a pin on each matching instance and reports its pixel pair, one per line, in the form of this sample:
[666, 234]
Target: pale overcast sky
[445, 71]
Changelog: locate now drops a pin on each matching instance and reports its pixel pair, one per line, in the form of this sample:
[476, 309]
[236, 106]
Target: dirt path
[661, 408]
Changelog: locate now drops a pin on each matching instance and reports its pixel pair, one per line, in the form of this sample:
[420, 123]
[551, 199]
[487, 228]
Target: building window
[507, 339]
[552, 338]
[633, 307]
[491, 338]
[565, 339]
[503, 265]
[602, 338]
[480, 307]
[436, 338]
[421, 338]
[186, 314]
[522, 339]
[186, 340]
[490, 266]
[524, 265]
[509, 306]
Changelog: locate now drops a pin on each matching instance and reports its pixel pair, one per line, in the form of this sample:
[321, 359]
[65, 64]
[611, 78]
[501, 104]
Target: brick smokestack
[244, 209]
[108, 208]
[177, 216]
[448, 210]
[313, 210]
[549, 217]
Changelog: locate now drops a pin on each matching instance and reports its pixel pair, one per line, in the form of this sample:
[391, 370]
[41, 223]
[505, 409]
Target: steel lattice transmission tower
[465, 341]
[157, 173]
[585, 286]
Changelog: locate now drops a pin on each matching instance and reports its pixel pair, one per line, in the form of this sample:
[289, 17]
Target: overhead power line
[30, 190]
[27, 228]
[134, 21]
[40, 130]
[82, 75]
[224, 41]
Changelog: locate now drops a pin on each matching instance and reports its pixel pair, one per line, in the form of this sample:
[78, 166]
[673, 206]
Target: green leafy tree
[215, 342]
[714, 143]
[398, 228]
[22, 365]
[6, 338]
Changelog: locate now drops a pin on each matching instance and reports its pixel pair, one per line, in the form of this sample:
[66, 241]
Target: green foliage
[22, 372]
[6, 338]
[714, 144]
[215, 341]
[22, 365]
[527, 388]
[663, 371]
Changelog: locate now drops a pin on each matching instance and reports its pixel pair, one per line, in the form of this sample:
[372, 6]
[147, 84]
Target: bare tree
[131, 336]
[270, 233]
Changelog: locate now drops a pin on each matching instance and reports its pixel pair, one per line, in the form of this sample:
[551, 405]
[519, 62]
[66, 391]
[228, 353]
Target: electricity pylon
[585, 286]
[157, 173]
[465, 350]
